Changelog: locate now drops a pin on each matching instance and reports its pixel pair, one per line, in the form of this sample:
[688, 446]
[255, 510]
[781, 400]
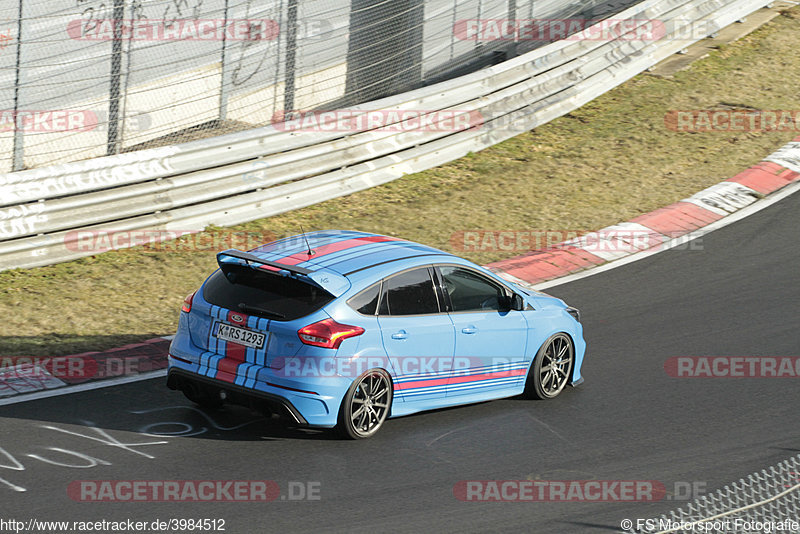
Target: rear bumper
[179, 379]
[306, 400]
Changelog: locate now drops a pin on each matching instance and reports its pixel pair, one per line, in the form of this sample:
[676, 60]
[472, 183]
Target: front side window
[409, 293]
[470, 291]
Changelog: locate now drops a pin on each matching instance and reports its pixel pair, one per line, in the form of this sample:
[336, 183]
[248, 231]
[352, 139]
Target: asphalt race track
[738, 296]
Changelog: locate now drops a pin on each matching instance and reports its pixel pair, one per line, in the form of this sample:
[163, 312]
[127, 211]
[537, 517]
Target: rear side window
[366, 302]
[256, 292]
[409, 293]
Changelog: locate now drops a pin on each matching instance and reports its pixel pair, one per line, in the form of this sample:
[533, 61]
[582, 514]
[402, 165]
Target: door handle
[469, 330]
[402, 334]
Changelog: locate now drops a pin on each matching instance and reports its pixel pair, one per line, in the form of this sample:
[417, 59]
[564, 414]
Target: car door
[417, 334]
[490, 340]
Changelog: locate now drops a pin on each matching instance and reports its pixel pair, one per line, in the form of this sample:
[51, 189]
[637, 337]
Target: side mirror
[512, 302]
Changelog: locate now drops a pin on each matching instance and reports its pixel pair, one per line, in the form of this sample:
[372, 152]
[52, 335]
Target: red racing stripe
[235, 354]
[459, 379]
[486, 376]
[420, 383]
[345, 244]
[301, 257]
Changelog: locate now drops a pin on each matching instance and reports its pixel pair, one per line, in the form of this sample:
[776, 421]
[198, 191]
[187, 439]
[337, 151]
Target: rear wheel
[366, 405]
[551, 369]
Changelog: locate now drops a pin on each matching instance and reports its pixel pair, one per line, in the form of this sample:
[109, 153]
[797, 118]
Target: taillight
[328, 333]
[187, 302]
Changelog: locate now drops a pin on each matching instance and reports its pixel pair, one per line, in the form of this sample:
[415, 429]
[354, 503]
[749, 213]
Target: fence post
[291, 57]
[112, 147]
[223, 88]
[512, 16]
[18, 157]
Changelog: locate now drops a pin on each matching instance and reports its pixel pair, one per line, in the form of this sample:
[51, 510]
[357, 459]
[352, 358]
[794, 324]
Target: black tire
[366, 405]
[551, 368]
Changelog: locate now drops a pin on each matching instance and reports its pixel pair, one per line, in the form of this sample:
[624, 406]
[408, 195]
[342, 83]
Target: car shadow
[148, 407]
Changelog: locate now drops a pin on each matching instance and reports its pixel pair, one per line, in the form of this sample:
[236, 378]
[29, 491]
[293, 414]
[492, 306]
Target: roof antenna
[310, 250]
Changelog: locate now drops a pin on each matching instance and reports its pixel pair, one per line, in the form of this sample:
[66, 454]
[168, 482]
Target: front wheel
[551, 368]
[366, 405]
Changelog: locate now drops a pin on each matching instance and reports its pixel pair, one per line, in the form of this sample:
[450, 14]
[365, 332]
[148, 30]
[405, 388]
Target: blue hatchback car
[344, 329]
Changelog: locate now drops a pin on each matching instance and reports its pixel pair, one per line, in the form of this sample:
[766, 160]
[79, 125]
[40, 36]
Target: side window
[409, 293]
[469, 291]
[366, 302]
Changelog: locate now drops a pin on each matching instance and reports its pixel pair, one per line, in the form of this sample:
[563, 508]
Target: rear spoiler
[332, 282]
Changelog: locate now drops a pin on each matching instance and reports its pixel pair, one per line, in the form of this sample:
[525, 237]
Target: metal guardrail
[262, 172]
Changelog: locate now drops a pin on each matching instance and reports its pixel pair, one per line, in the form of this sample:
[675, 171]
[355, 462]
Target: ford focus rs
[345, 329]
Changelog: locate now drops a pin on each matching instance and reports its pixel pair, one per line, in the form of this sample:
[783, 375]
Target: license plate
[242, 336]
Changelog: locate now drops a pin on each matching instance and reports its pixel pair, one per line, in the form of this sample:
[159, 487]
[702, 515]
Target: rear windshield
[256, 292]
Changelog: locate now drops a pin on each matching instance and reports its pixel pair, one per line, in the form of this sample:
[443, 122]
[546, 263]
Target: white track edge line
[88, 386]
[752, 209]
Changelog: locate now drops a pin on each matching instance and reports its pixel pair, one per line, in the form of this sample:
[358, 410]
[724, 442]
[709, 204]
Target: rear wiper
[260, 311]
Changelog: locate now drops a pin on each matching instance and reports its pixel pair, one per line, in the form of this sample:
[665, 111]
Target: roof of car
[342, 251]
